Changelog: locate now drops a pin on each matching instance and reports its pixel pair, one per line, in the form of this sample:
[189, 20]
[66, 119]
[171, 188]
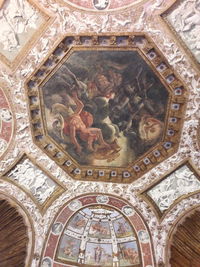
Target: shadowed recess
[185, 249]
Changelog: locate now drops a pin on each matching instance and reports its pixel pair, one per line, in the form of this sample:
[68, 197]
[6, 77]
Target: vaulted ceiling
[99, 106]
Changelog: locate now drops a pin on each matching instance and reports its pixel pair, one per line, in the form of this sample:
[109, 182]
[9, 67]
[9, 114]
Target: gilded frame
[164, 149]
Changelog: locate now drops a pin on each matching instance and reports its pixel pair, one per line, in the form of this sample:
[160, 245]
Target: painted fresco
[77, 223]
[98, 254]
[98, 236]
[99, 230]
[69, 249]
[105, 108]
[128, 254]
[122, 228]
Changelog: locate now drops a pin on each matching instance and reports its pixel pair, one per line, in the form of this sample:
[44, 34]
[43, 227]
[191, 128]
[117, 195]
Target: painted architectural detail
[98, 235]
[34, 181]
[94, 234]
[181, 182]
[6, 123]
[185, 19]
[70, 17]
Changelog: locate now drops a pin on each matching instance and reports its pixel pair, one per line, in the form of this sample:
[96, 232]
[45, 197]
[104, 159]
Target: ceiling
[132, 68]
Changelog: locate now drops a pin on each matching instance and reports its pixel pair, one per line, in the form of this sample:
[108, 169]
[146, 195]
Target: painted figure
[79, 222]
[97, 228]
[104, 109]
[78, 123]
[98, 254]
[122, 228]
[130, 254]
[150, 128]
[69, 249]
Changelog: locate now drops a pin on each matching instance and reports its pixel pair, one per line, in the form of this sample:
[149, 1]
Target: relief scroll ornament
[185, 19]
[6, 123]
[17, 17]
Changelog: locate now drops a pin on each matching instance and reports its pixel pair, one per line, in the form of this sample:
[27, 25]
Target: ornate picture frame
[165, 133]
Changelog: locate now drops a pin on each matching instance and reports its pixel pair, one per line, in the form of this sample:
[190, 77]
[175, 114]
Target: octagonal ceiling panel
[106, 107]
[103, 5]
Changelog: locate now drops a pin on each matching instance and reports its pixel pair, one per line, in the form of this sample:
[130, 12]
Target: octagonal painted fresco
[103, 108]
[106, 108]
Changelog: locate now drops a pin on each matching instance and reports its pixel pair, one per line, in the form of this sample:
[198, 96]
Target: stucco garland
[66, 22]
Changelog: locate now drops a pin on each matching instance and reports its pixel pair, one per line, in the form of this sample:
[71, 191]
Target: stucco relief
[185, 19]
[71, 21]
[181, 182]
[102, 5]
[6, 122]
[20, 21]
[33, 180]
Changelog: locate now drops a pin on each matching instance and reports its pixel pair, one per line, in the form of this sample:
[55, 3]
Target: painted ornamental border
[173, 121]
[69, 209]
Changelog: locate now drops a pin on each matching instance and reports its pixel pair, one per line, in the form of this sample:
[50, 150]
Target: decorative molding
[31, 178]
[22, 23]
[173, 118]
[6, 122]
[90, 201]
[184, 26]
[178, 184]
[107, 6]
[71, 20]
